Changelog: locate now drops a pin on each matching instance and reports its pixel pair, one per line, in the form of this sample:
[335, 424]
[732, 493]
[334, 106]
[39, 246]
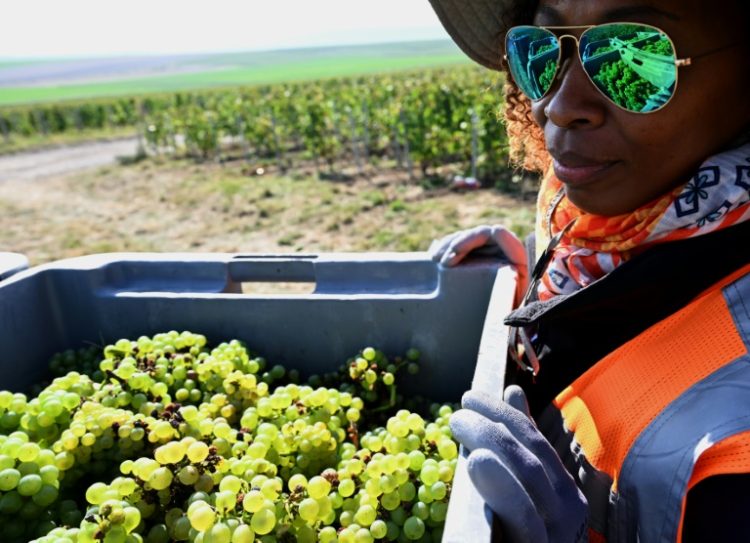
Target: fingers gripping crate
[392, 301]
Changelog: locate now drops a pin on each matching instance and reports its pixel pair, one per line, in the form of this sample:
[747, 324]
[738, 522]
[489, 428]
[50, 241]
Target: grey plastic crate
[392, 301]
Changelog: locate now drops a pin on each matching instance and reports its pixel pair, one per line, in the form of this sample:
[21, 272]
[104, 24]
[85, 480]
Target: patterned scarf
[716, 197]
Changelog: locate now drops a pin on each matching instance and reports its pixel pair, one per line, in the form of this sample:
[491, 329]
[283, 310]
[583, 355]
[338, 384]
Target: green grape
[11, 502]
[309, 509]
[407, 491]
[253, 501]
[420, 510]
[158, 534]
[414, 528]
[425, 494]
[365, 515]
[379, 529]
[429, 474]
[29, 485]
[439, 490]
[297, 480]
[45, 496]
[270, 489]
[9, 479]
[416, 460]
[220, 533]
[391, 500]
[28, 452]
[160, 478]
[243, 534]
[318, 487]
[225, 501]
[393, 531]
[368, 353]
[346, 487]
[202, 517]
[230, 483]
[438, 511]
[363, 535]
[447, 449]
[263, 521]
[188, 475]
[132, 518]
[326, 535]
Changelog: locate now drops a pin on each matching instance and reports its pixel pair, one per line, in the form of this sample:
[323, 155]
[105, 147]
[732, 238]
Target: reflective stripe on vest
[633, 427]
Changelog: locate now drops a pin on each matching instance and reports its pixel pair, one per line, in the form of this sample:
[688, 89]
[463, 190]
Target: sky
[86, 28]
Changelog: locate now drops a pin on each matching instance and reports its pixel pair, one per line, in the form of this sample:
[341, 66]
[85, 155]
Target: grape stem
[391, 401]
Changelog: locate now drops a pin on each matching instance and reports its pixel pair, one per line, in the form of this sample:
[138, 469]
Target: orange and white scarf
[716, 196]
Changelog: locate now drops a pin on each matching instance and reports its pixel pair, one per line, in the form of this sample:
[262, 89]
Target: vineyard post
[107, 117]
[474, 143]
[277, 141]
[216, 138]
[407, 155]
[240, 122]
[77, 118]
[366, 130]
[141, 127]
[41, 122]
[337, 132]
[396, 148]
[353, 140]
[4, 129]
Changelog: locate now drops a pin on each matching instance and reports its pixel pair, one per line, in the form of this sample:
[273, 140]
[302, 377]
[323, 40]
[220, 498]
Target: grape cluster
[171, 440]
[85, 360]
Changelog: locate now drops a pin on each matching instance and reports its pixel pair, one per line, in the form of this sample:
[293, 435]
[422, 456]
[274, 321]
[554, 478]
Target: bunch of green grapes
[85, 361]
[172, 440]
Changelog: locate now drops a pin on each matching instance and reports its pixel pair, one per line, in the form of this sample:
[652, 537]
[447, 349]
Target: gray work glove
[486, 240]
[517, 472]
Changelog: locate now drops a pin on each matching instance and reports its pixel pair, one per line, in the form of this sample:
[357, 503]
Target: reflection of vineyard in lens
[529, 51]
[546, 77]
[636, 71]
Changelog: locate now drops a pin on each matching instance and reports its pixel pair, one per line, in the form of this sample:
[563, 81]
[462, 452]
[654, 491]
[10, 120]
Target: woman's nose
[573, 101]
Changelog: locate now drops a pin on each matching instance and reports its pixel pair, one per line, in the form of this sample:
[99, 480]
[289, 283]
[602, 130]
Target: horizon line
[220, 52]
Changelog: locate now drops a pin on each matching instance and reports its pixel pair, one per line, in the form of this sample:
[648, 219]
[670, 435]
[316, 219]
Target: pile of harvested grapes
[165, 439]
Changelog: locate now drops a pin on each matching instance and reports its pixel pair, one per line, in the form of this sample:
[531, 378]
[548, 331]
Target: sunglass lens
[633, 65]
[533, 56]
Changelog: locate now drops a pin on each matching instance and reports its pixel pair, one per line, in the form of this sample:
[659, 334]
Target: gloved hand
[487, 240]
[517, 472]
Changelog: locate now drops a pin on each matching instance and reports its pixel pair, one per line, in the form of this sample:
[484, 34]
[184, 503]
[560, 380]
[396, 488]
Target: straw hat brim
[477, 27]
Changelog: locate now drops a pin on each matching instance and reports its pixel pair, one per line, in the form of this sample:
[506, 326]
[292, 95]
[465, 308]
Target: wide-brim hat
[478, 26]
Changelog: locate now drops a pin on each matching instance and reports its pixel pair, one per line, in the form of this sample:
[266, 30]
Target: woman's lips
[575, 171]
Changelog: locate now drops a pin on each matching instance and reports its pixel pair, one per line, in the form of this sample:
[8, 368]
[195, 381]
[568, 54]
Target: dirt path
[167, 205]
[27, 166]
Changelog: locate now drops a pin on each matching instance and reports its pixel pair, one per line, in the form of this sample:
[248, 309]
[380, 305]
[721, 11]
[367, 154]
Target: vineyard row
[431, 117]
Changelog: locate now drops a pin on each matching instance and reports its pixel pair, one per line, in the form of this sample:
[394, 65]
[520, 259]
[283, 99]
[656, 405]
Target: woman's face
[612, 161]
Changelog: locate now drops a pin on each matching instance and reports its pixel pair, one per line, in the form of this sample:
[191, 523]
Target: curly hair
[526, 139]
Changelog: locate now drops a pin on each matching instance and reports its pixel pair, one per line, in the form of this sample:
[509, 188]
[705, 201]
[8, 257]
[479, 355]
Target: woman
[631, 339]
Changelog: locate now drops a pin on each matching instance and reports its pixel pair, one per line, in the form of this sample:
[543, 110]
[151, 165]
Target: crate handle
[293, 268]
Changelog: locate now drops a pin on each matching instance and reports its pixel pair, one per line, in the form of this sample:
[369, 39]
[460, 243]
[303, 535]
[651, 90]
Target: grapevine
[429, 112]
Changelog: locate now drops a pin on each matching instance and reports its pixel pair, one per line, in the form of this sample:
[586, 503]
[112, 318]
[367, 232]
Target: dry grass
[165, 205]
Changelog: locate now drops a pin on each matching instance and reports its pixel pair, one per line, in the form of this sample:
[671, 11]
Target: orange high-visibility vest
[664, 411]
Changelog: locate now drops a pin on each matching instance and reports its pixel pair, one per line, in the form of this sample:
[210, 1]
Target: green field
[233, 69]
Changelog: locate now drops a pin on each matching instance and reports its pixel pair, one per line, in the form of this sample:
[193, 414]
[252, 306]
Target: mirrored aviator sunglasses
[633, 65]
